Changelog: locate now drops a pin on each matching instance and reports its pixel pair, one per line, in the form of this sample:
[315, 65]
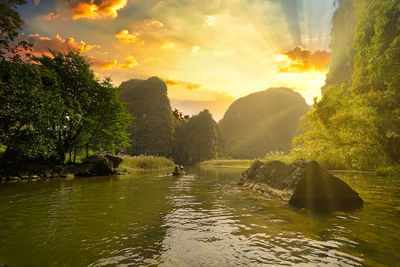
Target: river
[200, 219]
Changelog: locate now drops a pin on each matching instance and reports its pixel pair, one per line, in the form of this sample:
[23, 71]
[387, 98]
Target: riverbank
[246, 163]
[92, 166]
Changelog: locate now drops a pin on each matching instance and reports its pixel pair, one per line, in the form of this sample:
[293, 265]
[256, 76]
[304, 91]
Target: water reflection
[217, 222]
[202, 218]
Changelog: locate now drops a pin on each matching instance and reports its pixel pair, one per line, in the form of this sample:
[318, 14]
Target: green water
[200, 219]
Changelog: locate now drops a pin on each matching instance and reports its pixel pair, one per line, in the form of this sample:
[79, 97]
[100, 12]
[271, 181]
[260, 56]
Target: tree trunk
[69, 155]
[74, 153]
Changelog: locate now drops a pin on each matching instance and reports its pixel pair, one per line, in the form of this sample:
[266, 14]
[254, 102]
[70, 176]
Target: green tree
[91, 111]
[57, 107]
[107, 122]
[376, 77]
[10, 24]
[29, 103]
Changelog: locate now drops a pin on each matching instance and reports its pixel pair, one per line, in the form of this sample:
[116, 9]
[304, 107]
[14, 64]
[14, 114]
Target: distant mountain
[262, 122]
[153, 127]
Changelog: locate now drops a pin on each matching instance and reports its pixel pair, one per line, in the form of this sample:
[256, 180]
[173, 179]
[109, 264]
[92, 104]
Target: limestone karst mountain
[153, 127]
[262, 122]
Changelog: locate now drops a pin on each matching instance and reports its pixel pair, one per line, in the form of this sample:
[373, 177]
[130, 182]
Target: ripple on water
[202, 219]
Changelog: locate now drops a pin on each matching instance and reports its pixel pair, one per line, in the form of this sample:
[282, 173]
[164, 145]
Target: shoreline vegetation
[56, 110]
[87, 168]
[131, 164]
[246, 163]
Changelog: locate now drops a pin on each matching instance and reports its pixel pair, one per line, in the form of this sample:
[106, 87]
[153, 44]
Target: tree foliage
[10, 24]
[357, 123]
[56, 106]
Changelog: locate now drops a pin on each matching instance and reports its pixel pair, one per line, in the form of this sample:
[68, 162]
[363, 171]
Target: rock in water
[303, 184]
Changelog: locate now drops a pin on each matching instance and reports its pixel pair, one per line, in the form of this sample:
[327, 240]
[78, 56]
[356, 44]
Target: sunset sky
[209, 52]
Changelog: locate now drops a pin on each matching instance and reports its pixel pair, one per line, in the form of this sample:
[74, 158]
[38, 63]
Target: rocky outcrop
[153, 127]
[303, 184]
[93, 166]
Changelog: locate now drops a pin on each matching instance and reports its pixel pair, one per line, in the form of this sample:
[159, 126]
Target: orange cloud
[126, 37]
[43, 45]
[193, 86]
[130, 63]
[96, 9]
[101, 64]
[301, 60]
[188, 85]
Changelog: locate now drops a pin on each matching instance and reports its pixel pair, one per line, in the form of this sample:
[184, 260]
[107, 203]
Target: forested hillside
[356, 124]
[197, 139]
[262, 122]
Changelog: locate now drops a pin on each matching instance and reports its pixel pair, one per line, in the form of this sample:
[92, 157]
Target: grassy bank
[247, 162]
[144, 163]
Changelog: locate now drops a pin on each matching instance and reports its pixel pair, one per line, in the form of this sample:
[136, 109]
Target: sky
[209, 52]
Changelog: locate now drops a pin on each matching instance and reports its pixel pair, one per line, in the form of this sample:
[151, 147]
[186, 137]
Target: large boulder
[102, 165]
[303, 184]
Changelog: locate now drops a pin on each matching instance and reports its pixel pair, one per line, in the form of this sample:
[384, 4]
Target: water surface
[202, 218]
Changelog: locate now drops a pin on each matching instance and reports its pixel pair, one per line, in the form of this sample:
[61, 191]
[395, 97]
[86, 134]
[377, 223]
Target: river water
[200, 219]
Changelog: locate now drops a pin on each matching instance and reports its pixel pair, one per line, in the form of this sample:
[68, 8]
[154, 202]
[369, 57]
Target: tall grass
[388, 171]
[144, 163]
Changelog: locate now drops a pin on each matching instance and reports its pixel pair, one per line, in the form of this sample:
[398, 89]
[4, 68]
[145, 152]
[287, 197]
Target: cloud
[168, 45]
[42, 45]
[101, 64]
[149, 23]
[126, 37]
[96, 9]
[188, 85]
[51, 16]
[209, 21]
[130, 63]
[301, 60]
